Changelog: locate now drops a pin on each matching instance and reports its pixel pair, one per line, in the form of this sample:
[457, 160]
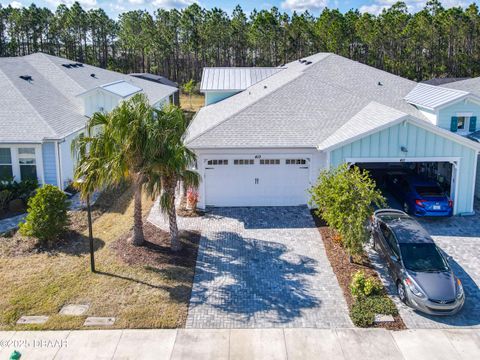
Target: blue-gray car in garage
[424, 279]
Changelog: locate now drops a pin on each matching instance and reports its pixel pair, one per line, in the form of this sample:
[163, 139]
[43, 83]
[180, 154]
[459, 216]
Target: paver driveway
[459, 237]
[262, 267]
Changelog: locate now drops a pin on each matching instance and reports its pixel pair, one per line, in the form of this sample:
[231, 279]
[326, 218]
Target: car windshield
[429, 190]
[422, 258]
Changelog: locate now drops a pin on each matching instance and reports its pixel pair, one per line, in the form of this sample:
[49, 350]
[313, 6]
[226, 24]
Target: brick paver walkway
[262, 267]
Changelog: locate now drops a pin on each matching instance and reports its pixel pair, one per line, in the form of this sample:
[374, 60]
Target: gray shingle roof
[301, 107]
[431, 97]
[470, 85]
[48, 106]
[234, 78]
[372, 117]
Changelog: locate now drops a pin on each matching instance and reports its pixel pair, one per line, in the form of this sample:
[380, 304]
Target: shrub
[20, 190]
[47, 215]
[345, 198]
[364, 310]
[5, 196]
[363, 286]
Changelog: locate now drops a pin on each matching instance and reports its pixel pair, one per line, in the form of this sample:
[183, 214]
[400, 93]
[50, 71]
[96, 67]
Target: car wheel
[406, 208]
[402, 293]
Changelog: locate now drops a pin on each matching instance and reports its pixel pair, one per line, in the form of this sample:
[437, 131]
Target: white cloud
[136, 2]
[16, 5]
[302, 5]
[171, 4]
[412, 5]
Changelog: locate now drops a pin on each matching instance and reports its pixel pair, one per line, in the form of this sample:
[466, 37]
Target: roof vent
[302, 61]
[68, 66]
[379, 83]
[264, 86]
[26, 77]
[79, 64]
[308, 63]
[92, 75]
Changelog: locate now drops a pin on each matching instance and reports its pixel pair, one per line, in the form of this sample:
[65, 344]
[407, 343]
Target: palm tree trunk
[138, 238]
[172, 215]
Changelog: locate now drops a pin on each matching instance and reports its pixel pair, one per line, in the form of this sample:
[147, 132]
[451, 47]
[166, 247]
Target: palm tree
[115, 149]
[170, 163]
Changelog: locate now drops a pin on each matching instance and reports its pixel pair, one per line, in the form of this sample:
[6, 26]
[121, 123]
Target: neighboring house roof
[156, 78]
[47, 106]
[371, 118]
[301, 106]
[431, 97]
[442, 81]
[470, 85]
[234, 78]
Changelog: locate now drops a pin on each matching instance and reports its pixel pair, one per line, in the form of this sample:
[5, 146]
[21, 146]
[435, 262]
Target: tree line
[434, 42]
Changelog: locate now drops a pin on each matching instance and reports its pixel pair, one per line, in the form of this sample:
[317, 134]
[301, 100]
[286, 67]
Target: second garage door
[265, 181]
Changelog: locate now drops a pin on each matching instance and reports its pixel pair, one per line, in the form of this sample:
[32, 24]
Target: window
[461, 122]
[295, 161]
[390, 239]
[217, 162]
[6, 171]
[27, 162]
[269, 161]
[243, 162]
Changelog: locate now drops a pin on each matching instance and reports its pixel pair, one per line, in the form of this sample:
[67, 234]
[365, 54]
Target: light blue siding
[212, 97]
[49, 163]
[420, 143]
[445, 115]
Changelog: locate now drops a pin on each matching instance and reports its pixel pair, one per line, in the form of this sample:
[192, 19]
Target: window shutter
[473, 124]
[454, 124]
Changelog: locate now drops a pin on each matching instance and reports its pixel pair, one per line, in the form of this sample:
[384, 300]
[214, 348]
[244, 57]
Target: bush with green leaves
[363, 285]
[47, 216]
[345, 197]
[19, 190]
[363, 311]
[5, 196]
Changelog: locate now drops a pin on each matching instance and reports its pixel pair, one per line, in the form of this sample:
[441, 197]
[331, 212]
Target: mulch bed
[184, 212]
[344, 269]
[156, 251]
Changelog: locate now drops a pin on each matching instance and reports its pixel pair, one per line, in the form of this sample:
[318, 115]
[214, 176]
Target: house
[45, 103]
[266, 142]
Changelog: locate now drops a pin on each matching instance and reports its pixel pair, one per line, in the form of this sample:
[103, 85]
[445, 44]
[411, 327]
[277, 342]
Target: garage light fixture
[404, 149]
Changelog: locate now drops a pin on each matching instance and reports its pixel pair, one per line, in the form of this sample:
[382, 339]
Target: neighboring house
[266, 144]
[45, 103]
[161, 80]
[221, 83]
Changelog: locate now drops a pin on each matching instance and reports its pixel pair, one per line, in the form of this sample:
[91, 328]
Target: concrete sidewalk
[246, 344]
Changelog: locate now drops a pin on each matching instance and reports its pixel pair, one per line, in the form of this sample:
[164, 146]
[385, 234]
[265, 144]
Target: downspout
[59, 163]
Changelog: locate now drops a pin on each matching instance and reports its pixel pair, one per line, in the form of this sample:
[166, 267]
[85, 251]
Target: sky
[114, 7]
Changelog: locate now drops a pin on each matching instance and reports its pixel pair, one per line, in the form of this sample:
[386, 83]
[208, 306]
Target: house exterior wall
[420, 143]
[212, 97]
[15, 159]
[49, 163]
[445, 114]
[67, 162]
[100, 100]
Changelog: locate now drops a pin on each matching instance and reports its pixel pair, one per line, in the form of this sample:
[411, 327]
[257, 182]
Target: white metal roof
[121, 88]
[234, 78]
[431, 97]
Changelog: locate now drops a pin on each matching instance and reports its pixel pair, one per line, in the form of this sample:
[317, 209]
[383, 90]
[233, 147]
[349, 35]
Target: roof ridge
[300, 74]
[29, 103]
[443, 88]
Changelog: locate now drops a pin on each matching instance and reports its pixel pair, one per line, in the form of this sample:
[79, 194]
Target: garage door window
[218, 162]
[269, 161]
[295, 161]
[243, 162]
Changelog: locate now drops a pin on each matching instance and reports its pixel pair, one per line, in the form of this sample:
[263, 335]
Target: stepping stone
[74, 310]
[381, 318]
[99, 321]
[24, 320]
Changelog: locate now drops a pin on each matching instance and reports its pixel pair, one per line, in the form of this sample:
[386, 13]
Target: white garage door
[245, 181]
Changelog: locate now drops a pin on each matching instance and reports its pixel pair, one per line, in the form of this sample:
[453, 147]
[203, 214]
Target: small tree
[47, 215]
[188, 88]
[345, 198]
